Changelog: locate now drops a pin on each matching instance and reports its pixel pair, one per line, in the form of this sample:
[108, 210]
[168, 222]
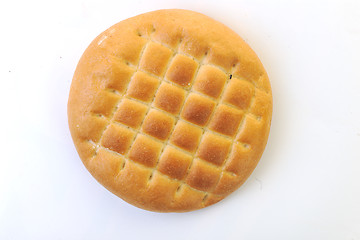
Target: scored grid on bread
[130, 96]
[205, 130]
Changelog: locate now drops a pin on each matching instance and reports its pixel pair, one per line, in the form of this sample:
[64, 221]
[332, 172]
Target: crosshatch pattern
[183, 118]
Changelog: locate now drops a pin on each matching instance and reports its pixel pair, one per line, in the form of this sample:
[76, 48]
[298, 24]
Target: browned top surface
[170, 110]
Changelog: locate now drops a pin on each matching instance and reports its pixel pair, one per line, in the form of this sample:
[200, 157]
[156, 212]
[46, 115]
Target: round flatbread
[170, 110]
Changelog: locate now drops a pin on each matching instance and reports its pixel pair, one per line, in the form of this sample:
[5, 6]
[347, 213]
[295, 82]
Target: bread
[170, 110]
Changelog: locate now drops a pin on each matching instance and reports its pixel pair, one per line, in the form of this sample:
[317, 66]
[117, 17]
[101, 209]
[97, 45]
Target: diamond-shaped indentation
[169, 98]
[197, 49]
[249, 69]
[224, 58]
[160, 188]
[117, 138]
[155, 59]
[143, 87]
[129, 50]
[182, 70]
[228, 181]
[158, 124]
[262, 104]
[174, 163]
[203, 176]
[130, 113]
[210, 81]
[104, 104]
[197, 109]
[252, 131]
[186, 136]
[115, 74]
[145, 150]
[188, 196]
[107, 163]
[240, 160]
[226, 120]
[91, 128]
[133, 176]
[239, 93]
[214, 148]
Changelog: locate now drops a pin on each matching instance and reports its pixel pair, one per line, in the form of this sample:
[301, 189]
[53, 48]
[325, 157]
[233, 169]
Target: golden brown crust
[170, 110]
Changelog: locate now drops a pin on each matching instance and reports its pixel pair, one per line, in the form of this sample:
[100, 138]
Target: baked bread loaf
[170, 110]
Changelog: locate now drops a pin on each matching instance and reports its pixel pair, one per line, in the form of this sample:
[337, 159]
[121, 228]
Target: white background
[307, 185]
